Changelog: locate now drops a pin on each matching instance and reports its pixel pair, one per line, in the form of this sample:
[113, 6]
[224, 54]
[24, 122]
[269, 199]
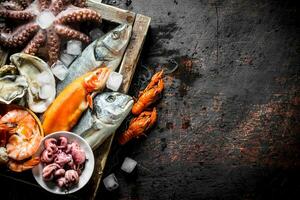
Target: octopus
[41, 24]
[63, 162]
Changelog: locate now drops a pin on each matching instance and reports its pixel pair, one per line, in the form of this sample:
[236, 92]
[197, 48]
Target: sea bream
[109, 110]
[106, 51]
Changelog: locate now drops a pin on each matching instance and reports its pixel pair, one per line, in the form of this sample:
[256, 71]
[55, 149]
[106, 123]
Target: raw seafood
[26, 141]
[44, 21]
[8, 70]
[20, 166]
[39, 78]
[3, 57]
[68, 106]
[105, 51]
[12, 87]
[67, 164]
[109, 110]
[150, 93]
[138, 126]
[3, 156]
[24, 138]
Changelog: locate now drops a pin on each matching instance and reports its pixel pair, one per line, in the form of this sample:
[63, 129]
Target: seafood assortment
[44, 22]
[138, 126]
[63, 161]
[105, 51]
[68, 106]
[21, 136]
[41, 82]
[109, 111]
[36, 28]
[150, 94]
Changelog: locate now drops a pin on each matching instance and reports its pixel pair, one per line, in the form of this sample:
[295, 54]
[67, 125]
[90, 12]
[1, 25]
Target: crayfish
[150, 94]
[138, 126]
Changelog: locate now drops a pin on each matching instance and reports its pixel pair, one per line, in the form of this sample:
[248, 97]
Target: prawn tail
[20, 166]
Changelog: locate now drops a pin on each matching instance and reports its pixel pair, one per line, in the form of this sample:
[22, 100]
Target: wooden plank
[134, 49]
[127, 69]
[111, 13]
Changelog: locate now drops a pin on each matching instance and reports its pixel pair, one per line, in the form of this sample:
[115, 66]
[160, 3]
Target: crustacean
[150, 94]
[23, 139]
[138, 126]
[68, 106]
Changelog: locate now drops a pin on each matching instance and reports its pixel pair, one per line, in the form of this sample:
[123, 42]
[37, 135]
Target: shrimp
[24, 141]
[19, 166]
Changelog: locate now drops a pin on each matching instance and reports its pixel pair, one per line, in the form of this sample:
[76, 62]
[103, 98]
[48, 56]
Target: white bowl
[85, 175]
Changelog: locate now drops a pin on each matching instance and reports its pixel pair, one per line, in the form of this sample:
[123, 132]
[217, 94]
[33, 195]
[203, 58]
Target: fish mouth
[128, 104]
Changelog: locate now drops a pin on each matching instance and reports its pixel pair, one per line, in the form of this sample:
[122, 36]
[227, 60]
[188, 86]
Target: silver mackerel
[107, 50]
[109, 110]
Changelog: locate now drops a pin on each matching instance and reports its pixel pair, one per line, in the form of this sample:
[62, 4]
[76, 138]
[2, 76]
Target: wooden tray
[140, 24]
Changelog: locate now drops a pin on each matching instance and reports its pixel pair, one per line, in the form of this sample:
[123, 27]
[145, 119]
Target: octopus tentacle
[79, 3]
[78, 15]
[53, 42]
[18, 36]
[24, 3]
[44, 4]
[13, 14]
[36, 42]
[71, 33]
[58, 5]
[11, 5]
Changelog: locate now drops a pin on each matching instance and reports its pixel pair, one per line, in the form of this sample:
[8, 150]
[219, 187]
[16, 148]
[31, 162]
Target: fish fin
[89, 99]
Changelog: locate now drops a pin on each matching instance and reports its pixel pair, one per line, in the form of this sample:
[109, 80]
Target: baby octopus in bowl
[67, 163]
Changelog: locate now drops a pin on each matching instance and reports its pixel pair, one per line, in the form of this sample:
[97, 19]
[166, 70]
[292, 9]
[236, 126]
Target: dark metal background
[229, 118]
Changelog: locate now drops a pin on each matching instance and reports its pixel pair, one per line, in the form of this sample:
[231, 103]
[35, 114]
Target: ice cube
[74, 47]
[114, 81]
[67, 59]
[45, 91]
[111, 182]
[45, 19]
[59, 70]
[96, 33]
[128, 165]
[43, 78]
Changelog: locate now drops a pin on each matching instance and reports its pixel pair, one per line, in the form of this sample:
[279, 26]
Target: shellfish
[41, 82]
[12, 87]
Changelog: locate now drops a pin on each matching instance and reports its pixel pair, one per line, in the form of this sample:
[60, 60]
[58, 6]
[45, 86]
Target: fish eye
[110, 98]
[115, 35]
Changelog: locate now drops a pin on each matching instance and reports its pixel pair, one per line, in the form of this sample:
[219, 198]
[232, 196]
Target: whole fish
[106, 51]
[69, 105]
[109, 110]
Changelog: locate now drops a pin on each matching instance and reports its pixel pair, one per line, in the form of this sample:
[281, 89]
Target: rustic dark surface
[228, 123]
